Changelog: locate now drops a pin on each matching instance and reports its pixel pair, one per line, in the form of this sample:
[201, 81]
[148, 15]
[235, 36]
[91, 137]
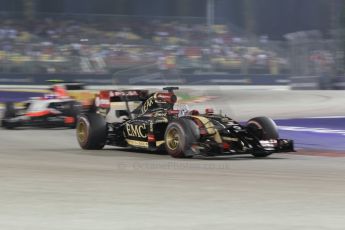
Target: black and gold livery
[154, 125]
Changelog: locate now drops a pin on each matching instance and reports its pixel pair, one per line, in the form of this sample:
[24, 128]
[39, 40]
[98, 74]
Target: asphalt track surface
[47, 182]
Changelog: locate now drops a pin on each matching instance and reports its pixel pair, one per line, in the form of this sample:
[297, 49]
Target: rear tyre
[7, 125]
[264, 128]
[74, 111]
[91, 131]
[179, 138]
[10, 112]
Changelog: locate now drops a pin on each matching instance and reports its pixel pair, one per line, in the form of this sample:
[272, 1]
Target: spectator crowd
[62, 45]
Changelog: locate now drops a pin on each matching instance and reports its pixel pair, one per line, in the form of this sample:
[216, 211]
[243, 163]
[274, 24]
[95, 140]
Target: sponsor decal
[160, 114]
[142, 144]
[148, 103]
[230, 139]
[158, 143]
[151, 127]
[136, 130]
[123, 93]
[103, 102]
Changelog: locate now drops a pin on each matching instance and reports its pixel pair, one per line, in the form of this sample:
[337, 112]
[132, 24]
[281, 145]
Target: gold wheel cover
[82, 131]
[173, 139]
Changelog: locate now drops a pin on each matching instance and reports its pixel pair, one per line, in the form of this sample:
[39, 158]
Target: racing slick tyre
[74, 111]
[7, 125]
[91, 131]
[264, 128]
[10, 112]
[179, 137]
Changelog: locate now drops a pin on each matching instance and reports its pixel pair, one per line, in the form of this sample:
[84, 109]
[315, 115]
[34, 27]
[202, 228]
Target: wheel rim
[173, 139]
[82, 131]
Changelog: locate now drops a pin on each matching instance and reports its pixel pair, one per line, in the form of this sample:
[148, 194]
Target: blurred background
[236, 42]
[238, 57]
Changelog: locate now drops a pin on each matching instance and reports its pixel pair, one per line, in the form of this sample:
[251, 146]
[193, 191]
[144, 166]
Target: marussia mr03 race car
[137, 119]
[47, 111]
[74, 90]
[60, 108]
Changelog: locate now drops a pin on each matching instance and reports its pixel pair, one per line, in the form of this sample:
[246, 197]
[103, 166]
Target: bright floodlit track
[48, 182]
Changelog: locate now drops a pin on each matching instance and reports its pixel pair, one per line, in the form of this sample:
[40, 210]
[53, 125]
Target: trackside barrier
[149, 79]
[339, 82]
[310, 82]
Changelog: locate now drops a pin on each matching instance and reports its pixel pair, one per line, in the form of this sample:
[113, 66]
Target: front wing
[265, 147]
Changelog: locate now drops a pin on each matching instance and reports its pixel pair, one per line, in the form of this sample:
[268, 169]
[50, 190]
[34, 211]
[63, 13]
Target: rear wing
[74, 86]
[67, 85]
[105, 97]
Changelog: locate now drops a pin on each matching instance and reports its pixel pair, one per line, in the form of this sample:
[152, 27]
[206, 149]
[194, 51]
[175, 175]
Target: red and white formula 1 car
[51, 110]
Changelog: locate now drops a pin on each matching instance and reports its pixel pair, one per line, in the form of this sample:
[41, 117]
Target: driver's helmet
[183, 111]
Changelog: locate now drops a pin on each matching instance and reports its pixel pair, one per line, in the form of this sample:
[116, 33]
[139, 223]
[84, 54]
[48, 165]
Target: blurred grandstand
[312, 54]
[114, 44]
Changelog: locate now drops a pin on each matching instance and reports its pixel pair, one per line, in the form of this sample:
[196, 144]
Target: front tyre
[91, 131]
[264, 128]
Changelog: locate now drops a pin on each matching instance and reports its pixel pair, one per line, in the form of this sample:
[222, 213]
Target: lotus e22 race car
[137, 119]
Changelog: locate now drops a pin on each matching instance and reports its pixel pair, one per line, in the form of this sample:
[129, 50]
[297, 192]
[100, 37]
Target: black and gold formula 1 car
[137, 119]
